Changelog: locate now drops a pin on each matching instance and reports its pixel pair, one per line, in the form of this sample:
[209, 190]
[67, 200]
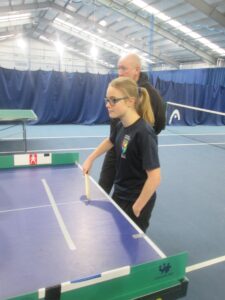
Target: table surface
[50, 233]
[7, 115]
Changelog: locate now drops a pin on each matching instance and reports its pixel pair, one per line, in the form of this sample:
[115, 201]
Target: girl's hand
[87, 166]
[136, 210]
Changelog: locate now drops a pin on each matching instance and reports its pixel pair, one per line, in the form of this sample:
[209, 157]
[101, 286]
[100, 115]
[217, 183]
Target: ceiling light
[3, 37]
[100, 31]
[103, 23]
[220, 51]
[14, 17]
[185, 29]
[139, 3]
[174, 23]
[21, 43]
[194, 35]
[204, 41]
[163, 17]
[152, 10]
[59, 47]
[94, 52]
[41, 37]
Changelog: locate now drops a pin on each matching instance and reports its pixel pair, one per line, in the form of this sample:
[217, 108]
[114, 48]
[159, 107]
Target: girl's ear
[131, 101]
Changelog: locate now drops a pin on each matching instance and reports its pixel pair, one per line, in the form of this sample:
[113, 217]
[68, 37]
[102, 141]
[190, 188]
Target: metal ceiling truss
[120, 38]
[207, 10]
[157, 28]
[51, 5]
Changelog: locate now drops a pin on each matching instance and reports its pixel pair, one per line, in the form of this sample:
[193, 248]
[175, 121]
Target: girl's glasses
[113, 101]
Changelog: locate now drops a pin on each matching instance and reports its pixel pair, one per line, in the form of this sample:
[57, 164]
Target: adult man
[130, 66]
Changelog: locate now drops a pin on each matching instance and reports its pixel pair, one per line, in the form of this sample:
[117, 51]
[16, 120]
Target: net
[11, 138]
[183, 115]
[179, 114]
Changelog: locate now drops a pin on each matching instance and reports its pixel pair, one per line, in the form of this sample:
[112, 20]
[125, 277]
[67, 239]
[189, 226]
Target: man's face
[127, 69]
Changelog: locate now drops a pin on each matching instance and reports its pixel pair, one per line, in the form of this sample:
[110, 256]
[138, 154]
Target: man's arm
[160, 113]
[158, 108]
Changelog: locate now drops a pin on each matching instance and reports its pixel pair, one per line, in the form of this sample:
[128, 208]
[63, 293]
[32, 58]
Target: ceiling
[167, 34]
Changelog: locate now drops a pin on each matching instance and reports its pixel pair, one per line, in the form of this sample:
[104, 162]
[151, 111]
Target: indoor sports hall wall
[56, 97]
[208, 76]
[203, 88]
[78, 98]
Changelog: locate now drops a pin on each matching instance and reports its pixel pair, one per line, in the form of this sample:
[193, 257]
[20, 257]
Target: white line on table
[58, 216]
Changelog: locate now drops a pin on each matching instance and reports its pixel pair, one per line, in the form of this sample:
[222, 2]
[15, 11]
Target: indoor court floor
[190, 210]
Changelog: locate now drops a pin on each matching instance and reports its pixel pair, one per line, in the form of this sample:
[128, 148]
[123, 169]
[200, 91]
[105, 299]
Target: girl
[137, 162]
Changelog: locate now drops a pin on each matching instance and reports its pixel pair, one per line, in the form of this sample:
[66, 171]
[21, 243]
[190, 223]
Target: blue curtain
[202, 96]
[56, 97]
[204, 88]
[61, 97]
[210, 76]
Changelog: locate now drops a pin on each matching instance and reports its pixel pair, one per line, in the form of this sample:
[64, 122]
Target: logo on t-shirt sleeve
[124, 145]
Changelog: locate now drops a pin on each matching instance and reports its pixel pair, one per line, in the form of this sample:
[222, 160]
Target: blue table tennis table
[57, 244]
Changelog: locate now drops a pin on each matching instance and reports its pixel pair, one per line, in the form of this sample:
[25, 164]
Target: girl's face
[116, 103]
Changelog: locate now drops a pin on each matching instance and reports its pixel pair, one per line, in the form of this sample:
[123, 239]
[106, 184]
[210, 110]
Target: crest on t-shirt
[124, 145]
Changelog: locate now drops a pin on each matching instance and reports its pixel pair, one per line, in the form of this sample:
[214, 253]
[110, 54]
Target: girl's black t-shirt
[136, 151]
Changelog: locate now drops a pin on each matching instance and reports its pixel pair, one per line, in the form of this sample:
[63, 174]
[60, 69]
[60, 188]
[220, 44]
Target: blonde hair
[142, 100]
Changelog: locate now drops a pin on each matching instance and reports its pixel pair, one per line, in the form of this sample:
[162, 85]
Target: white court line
[58, 216]
[59, 150]
[205, 264]
[35, 207]
[188, 134]
[57, 137]
[192, 144]
[93, 148]
[42, 206]
[105, 136]
[23, 208]
[70, 137]
[51, 150]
